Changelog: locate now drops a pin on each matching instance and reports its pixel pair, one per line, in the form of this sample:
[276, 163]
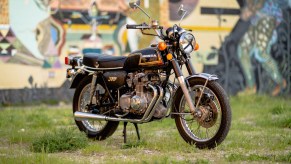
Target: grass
[60, 140]
[260, 133]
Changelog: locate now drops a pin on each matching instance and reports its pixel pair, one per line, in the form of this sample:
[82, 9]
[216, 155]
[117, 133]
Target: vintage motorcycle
[137, 89]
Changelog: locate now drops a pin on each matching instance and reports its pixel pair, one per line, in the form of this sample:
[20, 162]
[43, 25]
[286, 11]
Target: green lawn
[260, 132]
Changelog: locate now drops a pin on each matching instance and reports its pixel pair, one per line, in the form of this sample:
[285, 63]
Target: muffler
[80, 116]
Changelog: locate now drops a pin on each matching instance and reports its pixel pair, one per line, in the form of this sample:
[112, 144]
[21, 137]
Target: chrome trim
[172, 88]
[87, 70]
[100, 69]
[156, 104]
[204, 76]
[152, 103]
[93, 87]
[183, 44]
[198, 102]
[186, 94]
[80, 62]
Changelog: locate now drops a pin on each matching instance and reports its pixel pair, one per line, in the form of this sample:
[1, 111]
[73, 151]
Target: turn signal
[162, 46]
[169, 56]
[196, 47]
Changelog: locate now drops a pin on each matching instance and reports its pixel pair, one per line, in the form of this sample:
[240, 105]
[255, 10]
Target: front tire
[99, 130]
[211, 128]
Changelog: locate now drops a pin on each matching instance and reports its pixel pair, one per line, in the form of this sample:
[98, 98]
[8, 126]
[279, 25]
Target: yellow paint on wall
[4, 12]
[87, 27]
[208, 28]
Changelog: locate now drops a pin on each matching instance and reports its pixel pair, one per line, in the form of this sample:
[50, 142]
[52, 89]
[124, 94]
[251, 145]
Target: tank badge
[112, 79]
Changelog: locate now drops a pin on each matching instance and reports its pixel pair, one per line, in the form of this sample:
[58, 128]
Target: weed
[278, 110]
[60, 140]
[202, 161]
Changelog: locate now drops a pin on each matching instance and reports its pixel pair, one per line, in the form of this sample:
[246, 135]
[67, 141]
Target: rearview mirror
[134, 4]
[181, 10]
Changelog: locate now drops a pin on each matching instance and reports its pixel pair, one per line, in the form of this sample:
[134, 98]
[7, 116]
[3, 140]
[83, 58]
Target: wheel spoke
[198, 130]
[207, 133]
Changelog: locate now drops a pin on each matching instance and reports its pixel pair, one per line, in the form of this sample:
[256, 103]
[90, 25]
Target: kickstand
[124, 131]
[137, 131]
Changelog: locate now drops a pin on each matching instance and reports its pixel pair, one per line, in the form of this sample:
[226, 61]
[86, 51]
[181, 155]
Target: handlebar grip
[131, 26]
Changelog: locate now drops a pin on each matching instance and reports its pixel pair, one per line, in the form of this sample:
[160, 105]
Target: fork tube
[93, 87]
[183, 86]
[190, 66]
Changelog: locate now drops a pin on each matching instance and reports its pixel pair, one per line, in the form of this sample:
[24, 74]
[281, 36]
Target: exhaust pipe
[80, 116]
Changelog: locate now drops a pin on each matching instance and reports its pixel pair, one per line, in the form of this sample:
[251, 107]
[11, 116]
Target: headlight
[187, 42]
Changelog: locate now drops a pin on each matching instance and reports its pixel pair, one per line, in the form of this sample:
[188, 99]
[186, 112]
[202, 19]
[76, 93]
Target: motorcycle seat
[103, 61]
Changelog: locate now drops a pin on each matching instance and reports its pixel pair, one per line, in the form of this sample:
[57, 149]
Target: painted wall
[256, 55]
[36, 35]
[247, 43]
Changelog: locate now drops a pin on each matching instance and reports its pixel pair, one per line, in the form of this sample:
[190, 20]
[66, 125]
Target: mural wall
[36, 35]
[247, 43]
[250, 46]
[256, 55]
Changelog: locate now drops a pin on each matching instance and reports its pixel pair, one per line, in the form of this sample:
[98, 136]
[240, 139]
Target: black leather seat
[103, 61]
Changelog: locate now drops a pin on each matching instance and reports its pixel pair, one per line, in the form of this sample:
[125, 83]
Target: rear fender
[76, 80]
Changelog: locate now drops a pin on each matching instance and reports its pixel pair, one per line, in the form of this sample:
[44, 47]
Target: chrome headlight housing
[187, 42]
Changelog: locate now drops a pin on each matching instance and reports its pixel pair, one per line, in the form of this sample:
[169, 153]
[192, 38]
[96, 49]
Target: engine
[138, 101]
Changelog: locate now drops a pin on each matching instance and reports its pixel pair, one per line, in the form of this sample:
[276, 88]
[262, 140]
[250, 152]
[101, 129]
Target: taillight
[73, 61]
[67, 60]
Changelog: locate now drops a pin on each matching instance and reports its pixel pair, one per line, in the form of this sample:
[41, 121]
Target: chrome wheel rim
[84, 99]
[201, 130]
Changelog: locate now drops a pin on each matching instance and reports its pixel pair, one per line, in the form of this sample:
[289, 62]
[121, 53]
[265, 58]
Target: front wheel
[212, 125]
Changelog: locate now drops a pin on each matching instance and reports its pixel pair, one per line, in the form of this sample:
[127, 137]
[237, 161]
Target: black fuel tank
[149, 57]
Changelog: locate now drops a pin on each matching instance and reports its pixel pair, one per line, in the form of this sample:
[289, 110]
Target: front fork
[185, 87]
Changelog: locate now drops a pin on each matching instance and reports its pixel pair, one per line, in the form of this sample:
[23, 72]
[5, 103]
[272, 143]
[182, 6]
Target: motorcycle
[137, 89]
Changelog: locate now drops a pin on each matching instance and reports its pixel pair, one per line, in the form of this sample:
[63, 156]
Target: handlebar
[142, 26]
[137, 26]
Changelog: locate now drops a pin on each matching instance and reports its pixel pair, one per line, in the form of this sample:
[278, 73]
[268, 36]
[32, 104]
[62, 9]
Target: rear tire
[218, 115]
[81, 98]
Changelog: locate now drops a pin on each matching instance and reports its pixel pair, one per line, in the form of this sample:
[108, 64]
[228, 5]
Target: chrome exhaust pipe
[156, 104]
[80, 116]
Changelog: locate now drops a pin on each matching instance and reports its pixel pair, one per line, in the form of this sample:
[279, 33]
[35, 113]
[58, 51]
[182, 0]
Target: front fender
[76, 80]
[179, 91]
[205, 76]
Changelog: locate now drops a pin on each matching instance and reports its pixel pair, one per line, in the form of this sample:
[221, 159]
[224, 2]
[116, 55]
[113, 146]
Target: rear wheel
[93, 128]
[211, 128]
